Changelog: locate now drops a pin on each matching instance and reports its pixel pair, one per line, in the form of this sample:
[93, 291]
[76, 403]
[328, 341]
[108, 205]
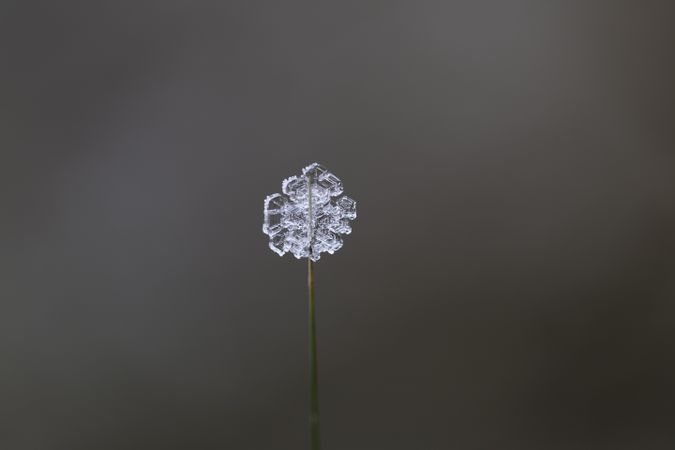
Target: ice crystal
[287, 215]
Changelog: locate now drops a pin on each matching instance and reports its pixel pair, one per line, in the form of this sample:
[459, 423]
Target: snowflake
[286, 215]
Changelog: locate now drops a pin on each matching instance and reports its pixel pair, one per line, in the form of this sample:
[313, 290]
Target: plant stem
[313, 376]
[313, 379]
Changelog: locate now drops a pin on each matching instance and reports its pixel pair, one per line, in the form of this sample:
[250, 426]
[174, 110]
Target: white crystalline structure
[287, 215]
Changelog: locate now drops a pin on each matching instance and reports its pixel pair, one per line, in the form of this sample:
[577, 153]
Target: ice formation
[286, 215]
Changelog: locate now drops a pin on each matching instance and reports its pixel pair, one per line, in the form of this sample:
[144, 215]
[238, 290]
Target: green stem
[313, 376]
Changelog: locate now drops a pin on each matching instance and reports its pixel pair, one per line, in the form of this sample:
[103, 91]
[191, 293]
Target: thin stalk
[313, 379]
[313, 375]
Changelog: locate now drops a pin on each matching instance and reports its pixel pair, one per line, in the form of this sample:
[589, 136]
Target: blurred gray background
[510, 282]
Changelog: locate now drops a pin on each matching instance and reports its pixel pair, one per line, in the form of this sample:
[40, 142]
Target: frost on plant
[286, 215]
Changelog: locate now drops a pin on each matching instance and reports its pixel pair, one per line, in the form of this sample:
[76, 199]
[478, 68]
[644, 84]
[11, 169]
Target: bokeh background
[510, 282]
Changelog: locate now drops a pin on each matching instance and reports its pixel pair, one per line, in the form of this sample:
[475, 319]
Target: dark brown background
[510, 282]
